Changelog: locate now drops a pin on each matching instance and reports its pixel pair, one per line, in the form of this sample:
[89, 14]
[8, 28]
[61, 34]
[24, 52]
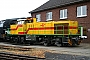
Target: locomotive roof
[15, 18]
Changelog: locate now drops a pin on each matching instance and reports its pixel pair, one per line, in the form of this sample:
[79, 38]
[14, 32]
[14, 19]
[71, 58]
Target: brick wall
[84, 21]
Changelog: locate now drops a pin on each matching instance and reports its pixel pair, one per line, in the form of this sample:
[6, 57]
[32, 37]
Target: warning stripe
[49, 28]
[16, 27]
[73, 27]
[60, 27]
[21, 32]
[46, 28]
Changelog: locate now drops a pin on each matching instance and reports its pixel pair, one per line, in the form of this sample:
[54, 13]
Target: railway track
[6, 54]
[9, 56]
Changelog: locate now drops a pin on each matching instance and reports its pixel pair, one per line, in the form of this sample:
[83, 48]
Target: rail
[9, 56]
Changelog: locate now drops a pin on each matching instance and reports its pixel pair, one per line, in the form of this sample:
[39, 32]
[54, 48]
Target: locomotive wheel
[57, 44]
[45, 44]
[72, 43]
[11, 39]
[22, 40]
[15, 40]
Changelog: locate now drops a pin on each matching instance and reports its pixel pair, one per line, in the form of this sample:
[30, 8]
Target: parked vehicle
[60, 33]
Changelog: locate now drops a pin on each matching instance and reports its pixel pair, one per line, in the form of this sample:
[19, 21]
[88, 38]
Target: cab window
[20, 22]
[28, 21]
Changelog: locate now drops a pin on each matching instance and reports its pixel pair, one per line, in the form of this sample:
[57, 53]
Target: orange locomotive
[58, 33]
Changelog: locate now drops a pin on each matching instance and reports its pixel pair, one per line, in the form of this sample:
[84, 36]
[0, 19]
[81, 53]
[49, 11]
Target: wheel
[45, 44]
[16, 39]
[22, 40]
[12, 40]
[47, 41]
[57, 44]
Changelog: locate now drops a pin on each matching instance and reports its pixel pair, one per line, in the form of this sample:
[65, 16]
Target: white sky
[18, 8]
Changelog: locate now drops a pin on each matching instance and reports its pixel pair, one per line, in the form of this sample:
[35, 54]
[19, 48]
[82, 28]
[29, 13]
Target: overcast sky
[18, 8]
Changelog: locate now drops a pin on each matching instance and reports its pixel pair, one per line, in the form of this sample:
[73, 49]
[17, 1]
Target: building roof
[55, 3]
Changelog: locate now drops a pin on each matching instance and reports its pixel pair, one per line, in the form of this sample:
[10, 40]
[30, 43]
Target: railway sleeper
[6, 56]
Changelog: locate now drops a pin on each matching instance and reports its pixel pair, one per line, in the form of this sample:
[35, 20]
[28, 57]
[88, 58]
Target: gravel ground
[81, 52]
[56, 56]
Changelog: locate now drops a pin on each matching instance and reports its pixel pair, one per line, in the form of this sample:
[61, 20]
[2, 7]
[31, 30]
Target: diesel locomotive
[29, 31]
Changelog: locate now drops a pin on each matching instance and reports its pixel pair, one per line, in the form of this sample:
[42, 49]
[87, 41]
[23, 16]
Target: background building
[65, 10]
